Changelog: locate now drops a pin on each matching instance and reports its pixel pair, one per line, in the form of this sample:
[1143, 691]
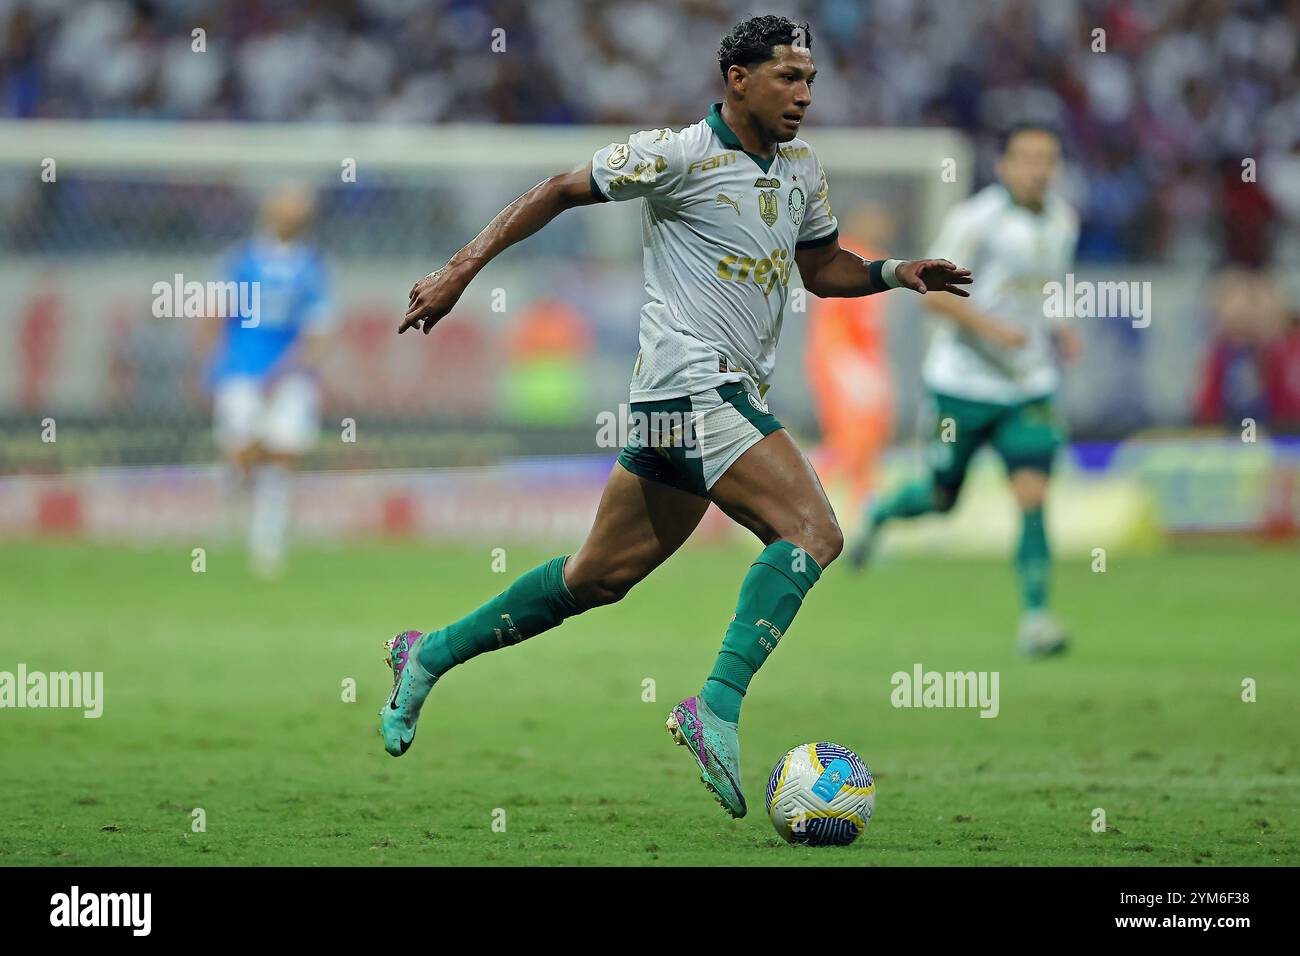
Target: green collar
[729, 138]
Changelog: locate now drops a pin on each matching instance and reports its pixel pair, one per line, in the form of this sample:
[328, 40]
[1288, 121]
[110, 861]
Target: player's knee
[1030, 488]
[832, 543]
[821, 538]
[1031, 497]
[1031, 502]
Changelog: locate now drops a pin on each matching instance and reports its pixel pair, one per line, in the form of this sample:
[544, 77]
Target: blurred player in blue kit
[263, 366]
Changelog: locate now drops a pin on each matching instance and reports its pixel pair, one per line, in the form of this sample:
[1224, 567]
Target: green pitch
[225, 694]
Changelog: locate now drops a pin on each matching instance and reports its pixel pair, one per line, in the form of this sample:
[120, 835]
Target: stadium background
[1157, 129]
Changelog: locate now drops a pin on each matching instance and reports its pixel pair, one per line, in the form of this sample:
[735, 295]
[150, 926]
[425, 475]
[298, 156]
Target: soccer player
[265, 403]
[729, 206]
[991, 369]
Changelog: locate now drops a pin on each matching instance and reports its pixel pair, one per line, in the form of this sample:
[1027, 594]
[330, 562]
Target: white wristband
[888, 272]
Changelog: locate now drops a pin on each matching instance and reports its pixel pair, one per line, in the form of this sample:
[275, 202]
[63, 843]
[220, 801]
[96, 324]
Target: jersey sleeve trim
[595, 189]
[820, 241]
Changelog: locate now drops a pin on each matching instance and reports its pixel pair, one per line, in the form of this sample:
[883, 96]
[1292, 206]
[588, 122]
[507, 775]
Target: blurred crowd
[1251, 370]
[1161, 101]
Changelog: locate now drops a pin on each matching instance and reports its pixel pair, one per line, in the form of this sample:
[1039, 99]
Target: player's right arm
[434, 295]
[961, 313]
[649, 165]
[959, 240]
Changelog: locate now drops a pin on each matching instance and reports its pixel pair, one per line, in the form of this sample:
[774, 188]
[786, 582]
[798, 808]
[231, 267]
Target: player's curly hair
[751, 41]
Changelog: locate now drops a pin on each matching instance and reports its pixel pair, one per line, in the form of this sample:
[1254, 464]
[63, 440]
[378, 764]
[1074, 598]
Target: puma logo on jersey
[724, 198]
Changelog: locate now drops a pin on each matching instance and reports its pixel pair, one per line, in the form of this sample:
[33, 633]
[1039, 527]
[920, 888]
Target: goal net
[97, 215]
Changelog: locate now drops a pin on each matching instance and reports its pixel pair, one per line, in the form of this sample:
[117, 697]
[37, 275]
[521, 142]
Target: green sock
[1033, 562]
[769, 599]
[536, 602]
[912, 499]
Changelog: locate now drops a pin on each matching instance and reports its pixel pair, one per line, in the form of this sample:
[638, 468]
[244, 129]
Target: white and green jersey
[719, 227]
[1012, 253]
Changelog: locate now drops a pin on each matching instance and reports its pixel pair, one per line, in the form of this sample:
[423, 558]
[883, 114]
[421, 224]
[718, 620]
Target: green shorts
[1025, 435]
[690, 442]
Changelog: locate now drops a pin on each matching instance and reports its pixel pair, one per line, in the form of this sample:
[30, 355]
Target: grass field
[225, 694]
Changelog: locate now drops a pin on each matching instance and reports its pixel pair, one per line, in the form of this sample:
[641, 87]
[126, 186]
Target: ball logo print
[820, 794]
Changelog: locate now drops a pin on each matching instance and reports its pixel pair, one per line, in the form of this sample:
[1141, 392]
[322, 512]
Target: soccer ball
[820, 795]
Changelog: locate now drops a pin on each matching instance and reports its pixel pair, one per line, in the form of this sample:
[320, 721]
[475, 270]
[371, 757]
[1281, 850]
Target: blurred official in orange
[847, 365]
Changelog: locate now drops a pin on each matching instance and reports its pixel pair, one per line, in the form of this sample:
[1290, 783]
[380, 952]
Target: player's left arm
[832, 272]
